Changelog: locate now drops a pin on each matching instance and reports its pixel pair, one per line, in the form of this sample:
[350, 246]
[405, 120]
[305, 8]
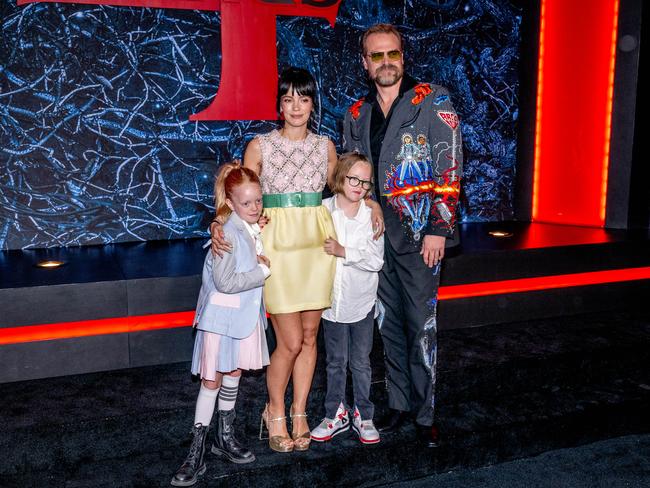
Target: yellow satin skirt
[302, 274]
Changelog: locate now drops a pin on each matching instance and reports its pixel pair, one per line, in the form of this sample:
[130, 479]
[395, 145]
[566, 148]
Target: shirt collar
[359, 214]
[407, 83]
[253, 229]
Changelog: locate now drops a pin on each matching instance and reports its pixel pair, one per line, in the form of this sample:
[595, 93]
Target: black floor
[621, 462]
[505, 392]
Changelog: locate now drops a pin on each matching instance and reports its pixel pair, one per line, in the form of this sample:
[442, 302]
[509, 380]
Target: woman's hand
[333, 248]
[264, 260]
[218, 240]
[263, 220]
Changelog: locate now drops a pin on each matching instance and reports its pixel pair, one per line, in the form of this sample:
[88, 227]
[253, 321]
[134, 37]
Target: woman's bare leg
[288, 332]
[303, 369]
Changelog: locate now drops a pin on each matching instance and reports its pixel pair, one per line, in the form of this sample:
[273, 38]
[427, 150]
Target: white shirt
[255, 232]
[356, 279]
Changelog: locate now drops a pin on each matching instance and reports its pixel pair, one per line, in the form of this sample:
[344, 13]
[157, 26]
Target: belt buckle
[296, 200]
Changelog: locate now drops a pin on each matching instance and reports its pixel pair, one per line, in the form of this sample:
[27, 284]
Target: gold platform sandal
[302, 441]
[278, 443]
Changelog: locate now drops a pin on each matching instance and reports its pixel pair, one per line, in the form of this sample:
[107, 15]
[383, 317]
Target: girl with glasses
[348, 324]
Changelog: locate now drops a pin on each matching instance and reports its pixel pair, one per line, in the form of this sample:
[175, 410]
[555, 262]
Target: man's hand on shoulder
[376, 217]
[433, 250]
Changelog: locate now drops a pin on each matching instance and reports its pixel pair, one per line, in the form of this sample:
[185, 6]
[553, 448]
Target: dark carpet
[505, 392]
[623, 462]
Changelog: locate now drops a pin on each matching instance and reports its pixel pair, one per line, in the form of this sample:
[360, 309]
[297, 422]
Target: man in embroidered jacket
[411, 133]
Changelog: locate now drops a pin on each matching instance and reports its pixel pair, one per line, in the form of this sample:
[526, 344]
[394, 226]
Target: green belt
[297, 199]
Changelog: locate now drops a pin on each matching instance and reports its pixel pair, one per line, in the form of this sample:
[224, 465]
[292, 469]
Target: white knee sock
[205, 405]
[228, 392]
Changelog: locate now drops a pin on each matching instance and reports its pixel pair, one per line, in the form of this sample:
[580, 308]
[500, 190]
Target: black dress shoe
[428, 435]
[392, 421]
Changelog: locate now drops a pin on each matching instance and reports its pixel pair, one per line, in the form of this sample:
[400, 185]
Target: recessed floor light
[500, 233]
[49, 264]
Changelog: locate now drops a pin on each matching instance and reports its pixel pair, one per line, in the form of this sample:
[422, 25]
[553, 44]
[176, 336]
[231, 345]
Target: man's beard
[387, 75]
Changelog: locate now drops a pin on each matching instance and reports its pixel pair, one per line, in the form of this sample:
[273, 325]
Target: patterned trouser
[408, 291]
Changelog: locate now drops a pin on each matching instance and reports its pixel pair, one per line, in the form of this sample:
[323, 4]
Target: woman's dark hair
[297, 80]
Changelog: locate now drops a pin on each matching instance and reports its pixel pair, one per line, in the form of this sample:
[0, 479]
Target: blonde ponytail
[221, 208]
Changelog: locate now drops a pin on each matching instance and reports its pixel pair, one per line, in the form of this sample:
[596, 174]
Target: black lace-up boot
[225, 443]
[193, 466]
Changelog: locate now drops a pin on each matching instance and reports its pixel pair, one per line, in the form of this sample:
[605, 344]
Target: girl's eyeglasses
[354, 181]
[378, 57]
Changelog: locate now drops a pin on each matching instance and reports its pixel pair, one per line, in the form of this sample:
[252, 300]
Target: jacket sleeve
[347, 132]
[369, 257]
[447, 160]
[228, 280]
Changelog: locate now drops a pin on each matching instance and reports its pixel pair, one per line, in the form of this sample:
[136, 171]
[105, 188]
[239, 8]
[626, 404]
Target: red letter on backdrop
[249, 62]
[249, 66]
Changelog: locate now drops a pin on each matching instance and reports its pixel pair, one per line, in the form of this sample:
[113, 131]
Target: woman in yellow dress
[294, 164]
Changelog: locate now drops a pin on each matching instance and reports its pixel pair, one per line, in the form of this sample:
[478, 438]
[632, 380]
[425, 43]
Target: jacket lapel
[237, 222]
[239, 225]
[403, 112]
[364, 122]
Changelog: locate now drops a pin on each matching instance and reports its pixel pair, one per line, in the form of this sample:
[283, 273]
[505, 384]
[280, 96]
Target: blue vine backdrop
[95, 142]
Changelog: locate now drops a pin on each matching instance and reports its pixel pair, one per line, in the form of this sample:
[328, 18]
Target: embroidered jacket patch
[449, 118]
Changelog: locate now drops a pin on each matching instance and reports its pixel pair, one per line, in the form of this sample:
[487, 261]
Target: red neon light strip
[542, 283]
[67, 330]
[538, 110]
[575, 86]
[120, 325]
[608, 116]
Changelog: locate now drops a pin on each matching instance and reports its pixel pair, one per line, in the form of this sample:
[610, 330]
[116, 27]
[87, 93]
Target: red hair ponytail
[230, 176]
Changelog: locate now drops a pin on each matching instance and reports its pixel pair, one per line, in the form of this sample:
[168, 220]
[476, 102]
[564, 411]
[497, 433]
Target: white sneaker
[328, 428]
[365, 429]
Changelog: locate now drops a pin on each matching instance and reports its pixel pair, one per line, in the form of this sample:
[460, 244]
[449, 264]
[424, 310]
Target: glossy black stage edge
[164, 276]
[175, 258]
[504, 392]
[161, 277]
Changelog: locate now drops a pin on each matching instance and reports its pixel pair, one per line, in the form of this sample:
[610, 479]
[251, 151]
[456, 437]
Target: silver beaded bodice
[293, 166]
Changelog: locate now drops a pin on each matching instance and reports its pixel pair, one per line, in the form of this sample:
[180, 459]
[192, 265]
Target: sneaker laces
[326, 423]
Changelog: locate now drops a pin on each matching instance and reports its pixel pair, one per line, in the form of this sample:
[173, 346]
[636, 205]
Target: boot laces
[196, 447]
